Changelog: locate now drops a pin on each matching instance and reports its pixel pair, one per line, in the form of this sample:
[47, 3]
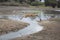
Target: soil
[7, 26]
[8, 10]
[51, 31]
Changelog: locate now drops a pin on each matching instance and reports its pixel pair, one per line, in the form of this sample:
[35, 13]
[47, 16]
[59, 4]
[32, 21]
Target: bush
[37, 3]
[58, 5]
[52, 3]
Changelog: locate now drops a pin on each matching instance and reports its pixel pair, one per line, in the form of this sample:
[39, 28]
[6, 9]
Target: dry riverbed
[7, 26]
[51, 32]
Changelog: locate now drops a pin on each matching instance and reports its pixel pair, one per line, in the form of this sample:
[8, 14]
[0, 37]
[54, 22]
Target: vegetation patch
[7, 26]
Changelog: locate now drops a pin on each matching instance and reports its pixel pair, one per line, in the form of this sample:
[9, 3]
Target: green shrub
[37, 3]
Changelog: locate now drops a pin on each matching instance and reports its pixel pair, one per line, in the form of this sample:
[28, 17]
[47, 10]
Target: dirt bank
[8, 10]
[51, 32]
[7, 26]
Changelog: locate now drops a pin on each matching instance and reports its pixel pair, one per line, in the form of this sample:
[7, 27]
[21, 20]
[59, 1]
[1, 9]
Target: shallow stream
[30, 29]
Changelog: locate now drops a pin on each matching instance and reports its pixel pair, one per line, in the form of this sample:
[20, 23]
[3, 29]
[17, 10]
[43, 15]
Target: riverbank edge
[7, 26]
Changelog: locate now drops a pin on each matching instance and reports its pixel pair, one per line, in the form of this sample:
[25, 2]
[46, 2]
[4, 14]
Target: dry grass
[30, 15]
[7, 26]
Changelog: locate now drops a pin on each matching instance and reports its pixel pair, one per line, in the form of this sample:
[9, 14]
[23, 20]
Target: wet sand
[7, 26]
[51, 32]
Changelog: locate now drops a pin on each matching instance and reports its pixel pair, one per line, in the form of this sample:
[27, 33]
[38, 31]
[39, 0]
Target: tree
[46, 2]
[1, 0]
[4, 0]
[31, 0]
[58, 3]
[52, 3]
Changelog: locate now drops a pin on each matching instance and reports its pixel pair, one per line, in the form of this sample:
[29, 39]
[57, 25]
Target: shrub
[58, 5]
[37, 3]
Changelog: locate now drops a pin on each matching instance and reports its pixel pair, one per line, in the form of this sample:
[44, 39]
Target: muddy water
[32, 28]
